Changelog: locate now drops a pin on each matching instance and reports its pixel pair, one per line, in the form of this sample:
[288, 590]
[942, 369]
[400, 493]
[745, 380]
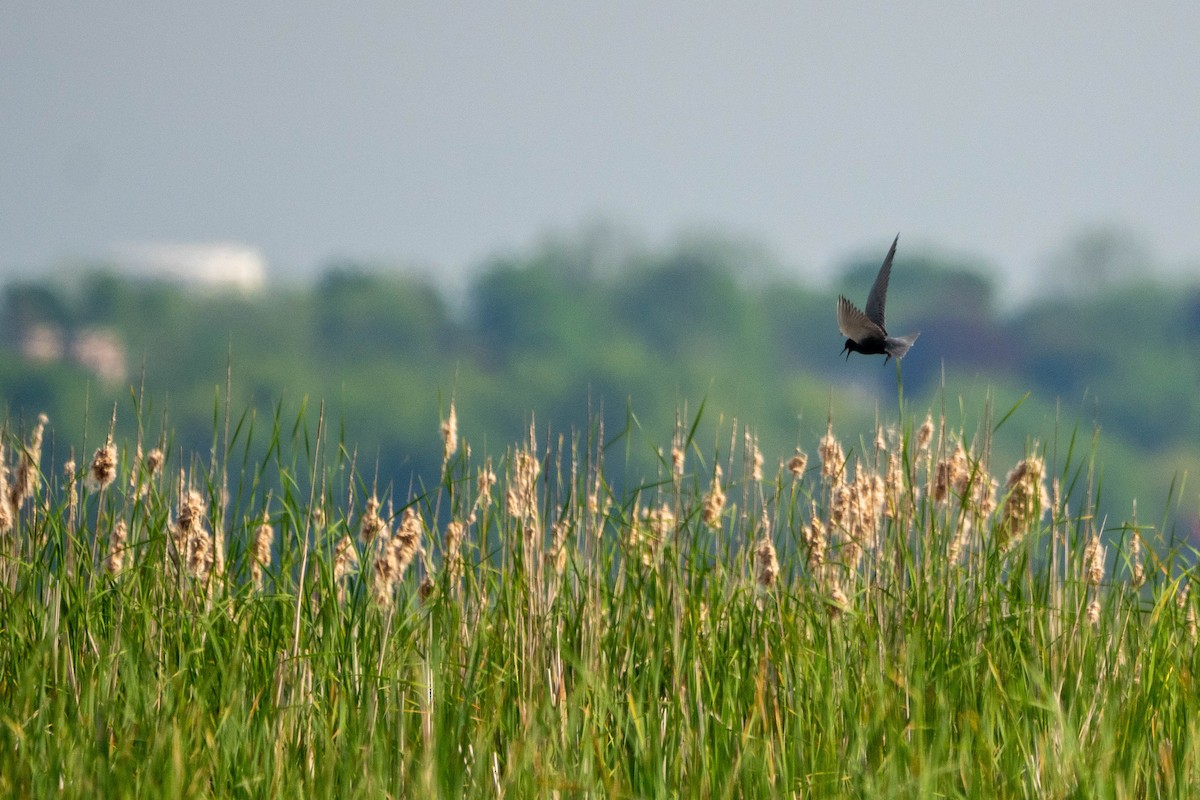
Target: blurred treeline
[571, 333]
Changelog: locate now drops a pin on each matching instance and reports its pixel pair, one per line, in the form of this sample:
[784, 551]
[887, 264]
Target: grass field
[888, 618]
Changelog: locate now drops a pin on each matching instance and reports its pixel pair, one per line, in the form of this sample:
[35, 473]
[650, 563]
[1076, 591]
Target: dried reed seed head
[521, 495]
[453, 537]
[191, 512]
[148, 466]
[767, 563]
[754, 457]
[869, 491]
[984, 495]
[880, 439]
[815, 540]
[450, 434]
[198, 553]
[1093, 609]
[1030, 472]
[452, 541]
[104, 467]
[1137, 575]
[154, 461]
[558, 547]
[393, 556]
[426, 589]
[317, 514]
[133, 473]
[406, 544]
[714, 501]
[943, 478]
[797, 464]
[1182, 601]
[192, 540]
[893, 488]
[640, 545]
[1026, 501]
[661, 521]
[647, 532]
[412, 527]
[7, 516]
[264, 538]
[833, 458]
[838, 601]
[484, 484]
[345, 557]
[635, 535]
[871, 494]
[597, 503]
[951, 474]
[72, 487]
[678, 447]
[455, 534]
[925, 433]
[1093, 560]
[6, 511]
[26, 478]
[387, 572]
[852, 553]
[841, 505]
[115, 563]
[371, 526]
[528, 467]
[959, 542]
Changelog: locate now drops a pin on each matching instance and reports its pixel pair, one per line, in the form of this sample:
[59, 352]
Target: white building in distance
[201, 265]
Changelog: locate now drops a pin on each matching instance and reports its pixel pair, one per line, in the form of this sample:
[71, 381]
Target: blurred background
[606, 210]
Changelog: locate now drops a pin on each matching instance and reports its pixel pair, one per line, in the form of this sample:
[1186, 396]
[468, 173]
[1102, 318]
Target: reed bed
[892, 617]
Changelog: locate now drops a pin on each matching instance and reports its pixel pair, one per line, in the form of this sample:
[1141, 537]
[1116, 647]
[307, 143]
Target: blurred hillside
[574, 332]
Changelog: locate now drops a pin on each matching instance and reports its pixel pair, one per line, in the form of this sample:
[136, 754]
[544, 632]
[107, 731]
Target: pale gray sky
[443, 132]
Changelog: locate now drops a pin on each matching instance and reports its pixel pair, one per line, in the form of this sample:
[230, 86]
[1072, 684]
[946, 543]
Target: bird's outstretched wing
[854, 324]
[877, 299]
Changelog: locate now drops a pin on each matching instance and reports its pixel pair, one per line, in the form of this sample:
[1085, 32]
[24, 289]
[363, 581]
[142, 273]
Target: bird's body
[865, 332]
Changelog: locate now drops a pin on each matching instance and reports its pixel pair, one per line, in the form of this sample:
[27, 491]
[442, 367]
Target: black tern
[865, 333]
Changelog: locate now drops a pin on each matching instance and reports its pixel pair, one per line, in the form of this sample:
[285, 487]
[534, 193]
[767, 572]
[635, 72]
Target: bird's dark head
[851, 347]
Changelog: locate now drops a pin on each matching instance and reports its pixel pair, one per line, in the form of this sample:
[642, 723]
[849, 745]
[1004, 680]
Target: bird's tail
[897, 346]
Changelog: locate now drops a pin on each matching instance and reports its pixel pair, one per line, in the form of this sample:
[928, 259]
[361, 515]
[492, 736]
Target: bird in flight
[865, 333]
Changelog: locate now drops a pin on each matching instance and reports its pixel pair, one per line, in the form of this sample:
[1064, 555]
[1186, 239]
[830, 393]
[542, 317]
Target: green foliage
[572, 330]
[877, 625]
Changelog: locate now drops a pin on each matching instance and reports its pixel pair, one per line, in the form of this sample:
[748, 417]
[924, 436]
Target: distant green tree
[537, 310]
[28, 303]
[359, 314]
[688, 307]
